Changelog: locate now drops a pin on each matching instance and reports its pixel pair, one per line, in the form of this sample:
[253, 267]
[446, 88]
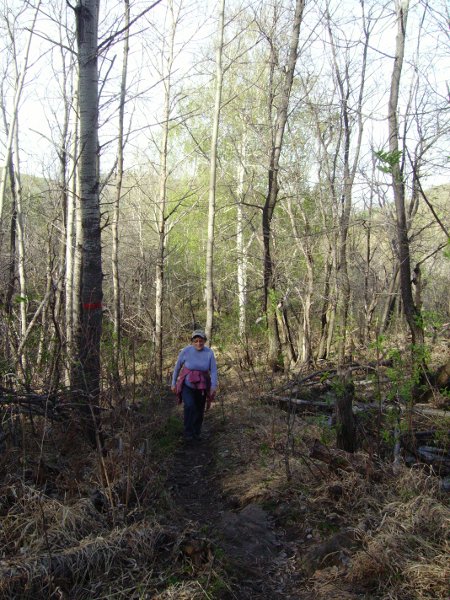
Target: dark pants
[194, 402]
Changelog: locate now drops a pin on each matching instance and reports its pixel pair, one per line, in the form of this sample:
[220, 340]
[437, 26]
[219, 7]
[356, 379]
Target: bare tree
[117, 201]
[411, 311]
[279, 125]
[15, 109]
[351, 119]
[86, 378]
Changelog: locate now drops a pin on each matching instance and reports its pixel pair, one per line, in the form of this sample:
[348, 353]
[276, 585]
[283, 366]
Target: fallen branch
[54, 406]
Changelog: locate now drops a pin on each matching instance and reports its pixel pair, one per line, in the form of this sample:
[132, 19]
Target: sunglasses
[198, 339]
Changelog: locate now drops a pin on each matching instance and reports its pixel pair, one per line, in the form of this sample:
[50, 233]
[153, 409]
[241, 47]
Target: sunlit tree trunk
[242, 259]
[23, 297]
[72, 260]
[370, 298]
[116, 209]
[209, 290]
[306, 293]
[161, 206]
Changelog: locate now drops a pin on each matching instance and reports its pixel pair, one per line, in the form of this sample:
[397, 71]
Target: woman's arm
[213, 372]
[177, 368]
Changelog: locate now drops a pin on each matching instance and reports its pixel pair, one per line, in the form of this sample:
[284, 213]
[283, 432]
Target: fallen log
[419, 445]
[328, 374]
[321, 405]
[436, 458]
[328, 406]
[299, 403]
[425, 409]
[33, 404]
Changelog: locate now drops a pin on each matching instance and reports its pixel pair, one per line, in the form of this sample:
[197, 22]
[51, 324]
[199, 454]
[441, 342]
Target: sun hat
[198, 333]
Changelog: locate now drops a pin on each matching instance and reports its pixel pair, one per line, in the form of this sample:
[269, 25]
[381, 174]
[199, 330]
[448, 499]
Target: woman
[194, 381]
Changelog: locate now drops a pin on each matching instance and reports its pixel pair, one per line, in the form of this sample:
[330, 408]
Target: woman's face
[198, 343]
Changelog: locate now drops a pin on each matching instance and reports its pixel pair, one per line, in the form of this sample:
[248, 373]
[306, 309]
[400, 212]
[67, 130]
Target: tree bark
[86, 382]
[411, 312]
[72, 261]
[345, 422]
[270, 295]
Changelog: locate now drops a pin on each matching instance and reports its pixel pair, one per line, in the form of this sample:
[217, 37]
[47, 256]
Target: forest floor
[246, 513]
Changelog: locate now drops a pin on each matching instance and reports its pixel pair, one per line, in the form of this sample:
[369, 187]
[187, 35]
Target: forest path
[217, 528]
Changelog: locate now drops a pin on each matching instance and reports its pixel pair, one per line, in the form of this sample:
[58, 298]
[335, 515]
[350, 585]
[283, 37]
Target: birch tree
[117, 200]
[209, 289]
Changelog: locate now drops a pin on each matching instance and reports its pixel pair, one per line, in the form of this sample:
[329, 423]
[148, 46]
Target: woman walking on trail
[194, 381]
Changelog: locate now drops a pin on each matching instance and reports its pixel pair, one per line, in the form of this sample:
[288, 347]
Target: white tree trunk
[116, 209]
[242, 260]
[209, 291]
[162, 200]
[72, 261]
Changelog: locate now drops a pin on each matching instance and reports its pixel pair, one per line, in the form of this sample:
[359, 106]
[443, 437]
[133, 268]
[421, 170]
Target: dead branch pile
[33, 404]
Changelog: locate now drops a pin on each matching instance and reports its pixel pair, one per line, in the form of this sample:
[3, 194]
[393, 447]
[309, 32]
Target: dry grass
[401, 521]
[61, 544]
[409, 548]
[35, 523]
[90, 558]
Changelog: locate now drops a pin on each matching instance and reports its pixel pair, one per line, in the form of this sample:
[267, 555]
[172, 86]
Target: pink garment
[200, 380]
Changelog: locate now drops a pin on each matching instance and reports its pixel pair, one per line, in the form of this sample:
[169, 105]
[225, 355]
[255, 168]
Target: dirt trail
[252, 550]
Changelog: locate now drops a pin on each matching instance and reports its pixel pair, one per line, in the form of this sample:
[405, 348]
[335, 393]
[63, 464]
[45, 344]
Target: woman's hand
[174, 388]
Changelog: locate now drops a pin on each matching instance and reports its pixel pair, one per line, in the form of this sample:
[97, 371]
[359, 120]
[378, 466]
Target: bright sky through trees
[427, 56]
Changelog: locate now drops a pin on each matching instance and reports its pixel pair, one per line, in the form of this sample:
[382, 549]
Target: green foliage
[378, 344]
[388, 160]
[406, 371]
[338, 386]
[431, 318]
[447, 250]
[264, 449]
[167, 438]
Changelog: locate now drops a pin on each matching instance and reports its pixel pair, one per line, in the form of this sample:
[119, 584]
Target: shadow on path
[251, 550]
